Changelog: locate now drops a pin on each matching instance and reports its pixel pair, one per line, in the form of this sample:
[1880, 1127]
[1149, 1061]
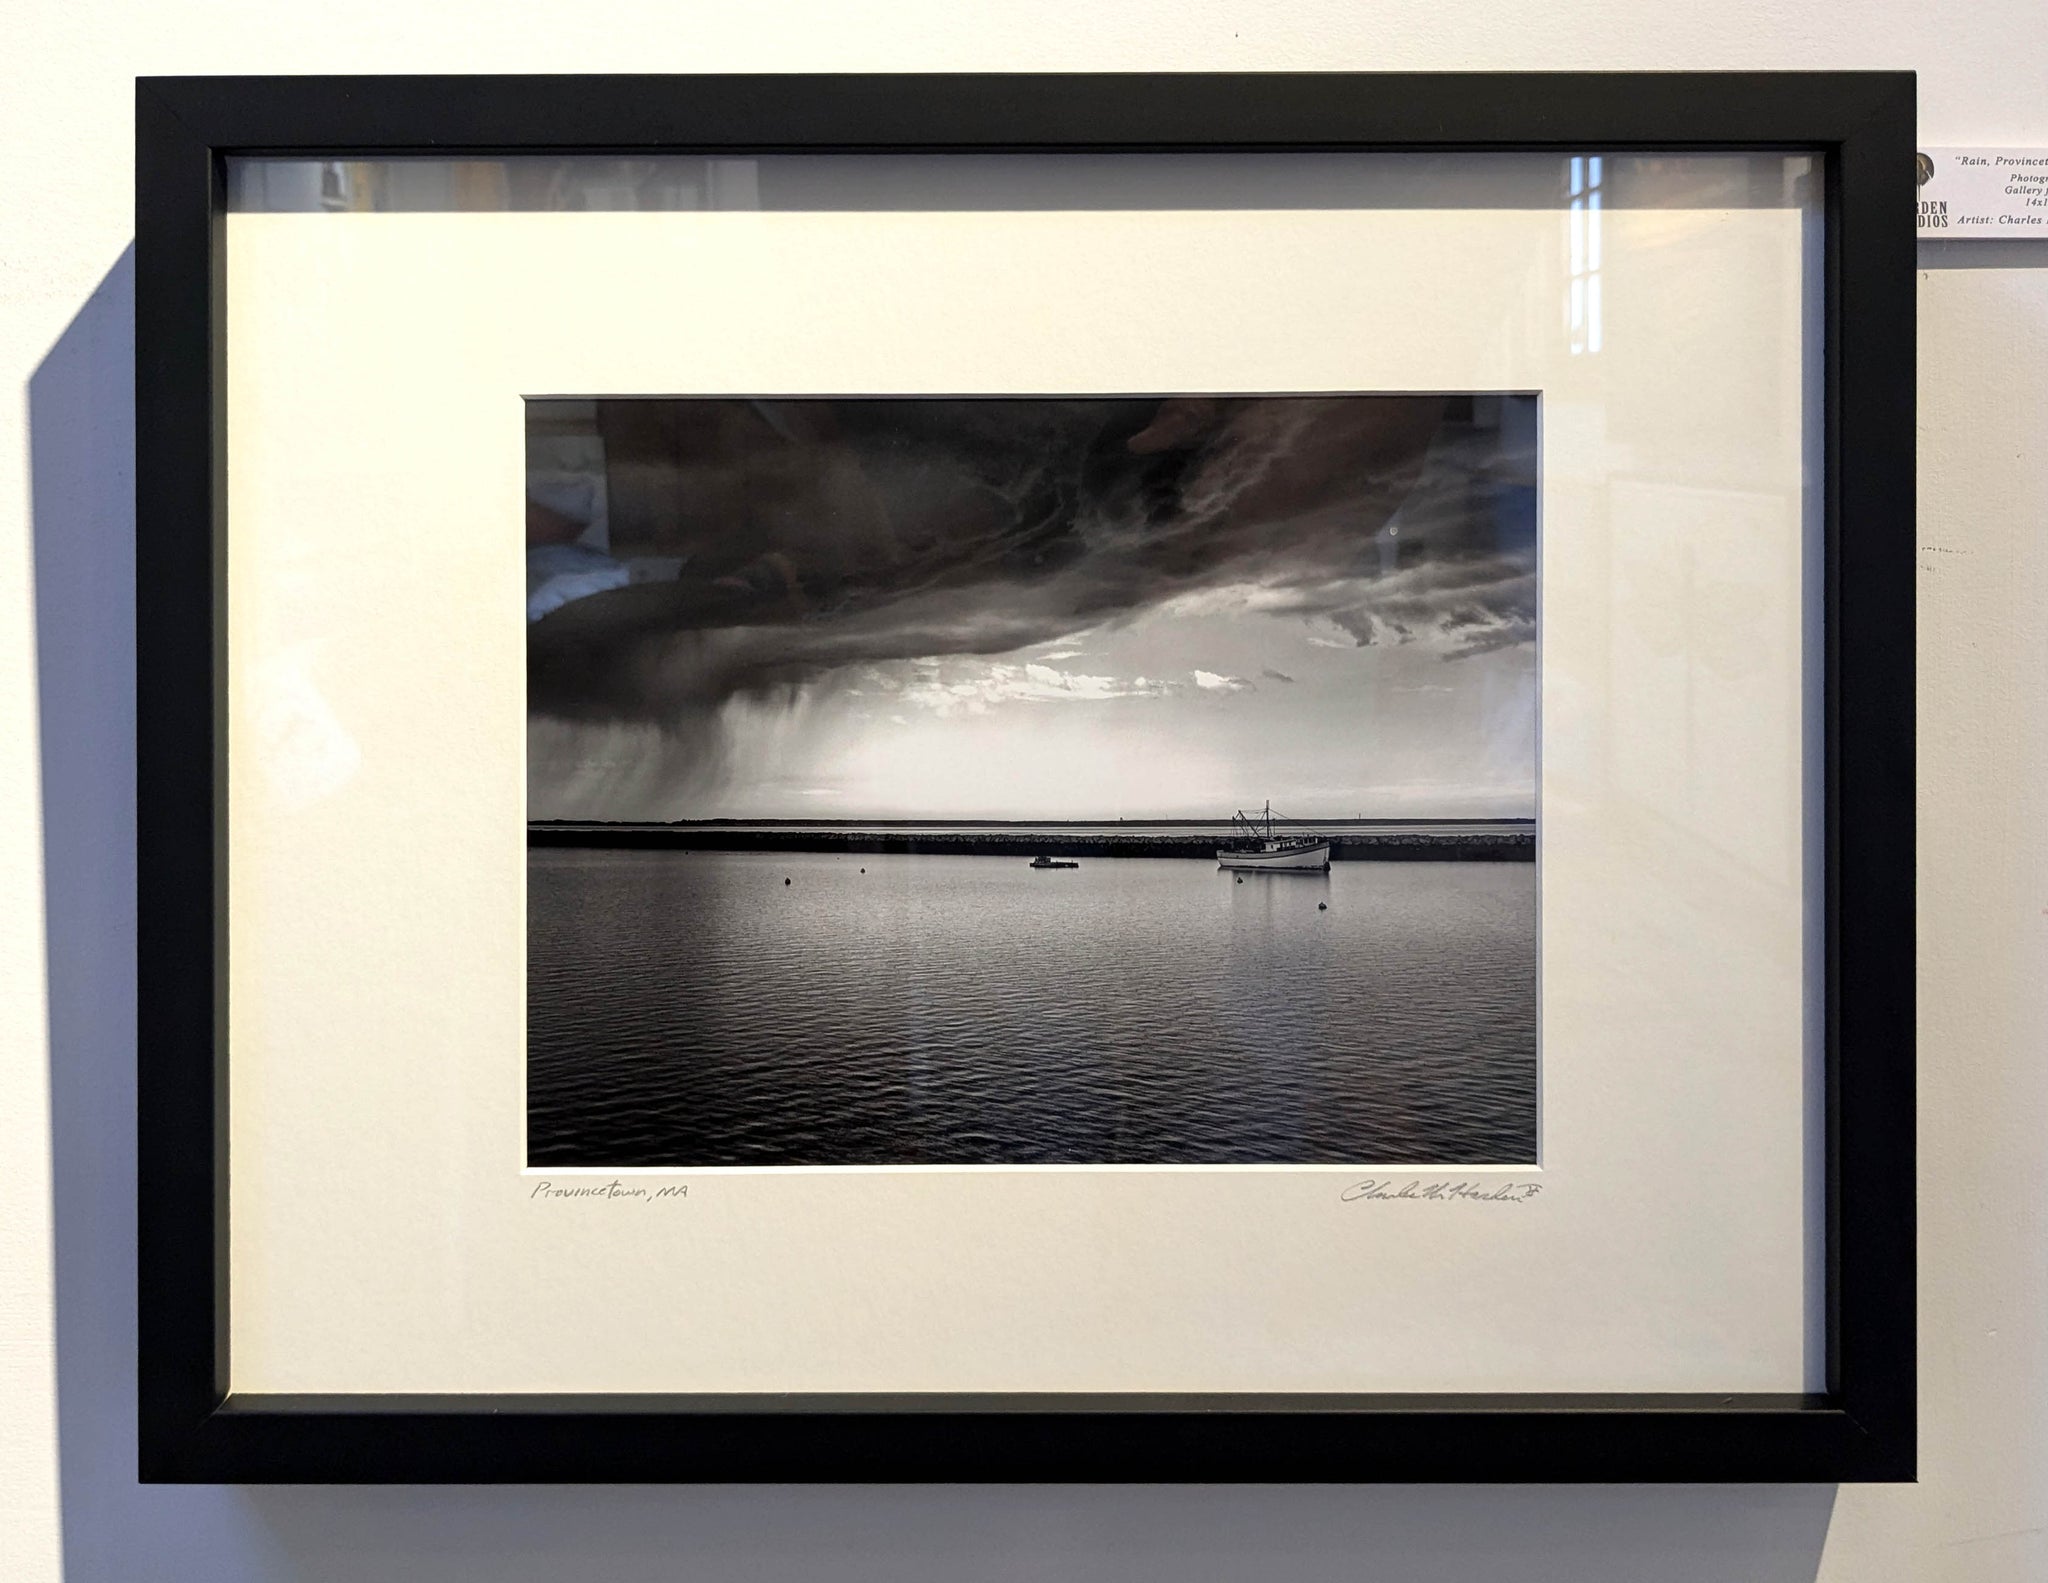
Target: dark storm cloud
[1472, 605]
[812, 537]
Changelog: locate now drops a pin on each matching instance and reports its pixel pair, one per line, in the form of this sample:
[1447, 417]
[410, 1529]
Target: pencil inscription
[1377, 1190]
[614, 1191]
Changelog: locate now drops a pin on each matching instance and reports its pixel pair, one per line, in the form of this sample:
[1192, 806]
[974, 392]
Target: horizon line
[1041, 824]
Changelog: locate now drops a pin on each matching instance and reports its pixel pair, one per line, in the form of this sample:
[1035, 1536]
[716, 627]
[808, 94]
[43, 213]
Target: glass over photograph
[1018, 781]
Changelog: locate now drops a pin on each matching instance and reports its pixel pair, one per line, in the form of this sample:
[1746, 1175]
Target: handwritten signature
[1374, 1190]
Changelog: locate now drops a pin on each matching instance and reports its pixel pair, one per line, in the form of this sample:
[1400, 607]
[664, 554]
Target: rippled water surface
[691, 1009]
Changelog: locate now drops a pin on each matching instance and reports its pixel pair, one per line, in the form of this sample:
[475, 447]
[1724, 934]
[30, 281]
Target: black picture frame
[1861, 1427]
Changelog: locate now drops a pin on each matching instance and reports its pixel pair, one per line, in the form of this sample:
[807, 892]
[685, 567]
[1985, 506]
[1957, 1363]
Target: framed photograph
[1050, 778]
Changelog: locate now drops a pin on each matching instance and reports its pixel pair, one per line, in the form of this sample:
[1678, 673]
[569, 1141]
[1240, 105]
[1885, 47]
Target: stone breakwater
[1440, 846]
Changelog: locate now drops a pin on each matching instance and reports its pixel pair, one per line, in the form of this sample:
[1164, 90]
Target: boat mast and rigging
[1262, 848]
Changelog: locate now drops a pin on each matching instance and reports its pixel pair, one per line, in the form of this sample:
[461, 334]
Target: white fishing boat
[1262, 846]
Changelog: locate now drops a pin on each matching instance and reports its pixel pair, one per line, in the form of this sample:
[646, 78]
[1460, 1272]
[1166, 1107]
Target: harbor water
[714, 1008]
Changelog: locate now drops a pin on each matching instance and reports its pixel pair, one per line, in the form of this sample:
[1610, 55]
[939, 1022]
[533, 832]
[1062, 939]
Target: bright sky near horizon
[1124, 723]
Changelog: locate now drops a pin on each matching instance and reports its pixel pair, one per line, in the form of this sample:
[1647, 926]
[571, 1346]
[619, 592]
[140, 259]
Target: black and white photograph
[1032, 780]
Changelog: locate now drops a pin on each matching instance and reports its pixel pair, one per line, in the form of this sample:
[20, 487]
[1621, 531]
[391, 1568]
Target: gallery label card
[1983, 192]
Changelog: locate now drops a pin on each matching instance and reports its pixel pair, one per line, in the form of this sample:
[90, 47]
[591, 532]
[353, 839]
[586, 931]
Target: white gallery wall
[69, 1507]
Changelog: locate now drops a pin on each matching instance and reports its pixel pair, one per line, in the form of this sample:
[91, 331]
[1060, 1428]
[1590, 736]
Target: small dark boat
[1052, 862]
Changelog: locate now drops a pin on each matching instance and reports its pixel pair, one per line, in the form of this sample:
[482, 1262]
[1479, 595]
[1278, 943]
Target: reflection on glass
[1582, 308]
[1021, 183]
